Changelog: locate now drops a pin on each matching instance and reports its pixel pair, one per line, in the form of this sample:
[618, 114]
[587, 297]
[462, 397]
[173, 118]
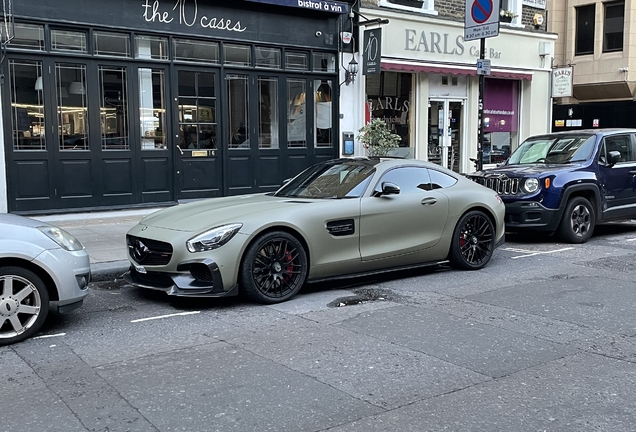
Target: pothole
[365, 295]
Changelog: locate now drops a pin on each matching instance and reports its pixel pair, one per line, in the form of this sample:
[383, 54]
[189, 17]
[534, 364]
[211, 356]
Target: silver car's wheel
[274, 268]
[24, 304]
[473, 241]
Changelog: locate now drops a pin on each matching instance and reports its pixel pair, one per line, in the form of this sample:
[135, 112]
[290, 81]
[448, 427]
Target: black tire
[578, 221]
[24, 304]
[274, 268]
[473, 241]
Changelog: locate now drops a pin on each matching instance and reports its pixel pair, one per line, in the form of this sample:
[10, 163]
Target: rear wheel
[577, 224]
[24, 304]
[274, 268]
[473, 241]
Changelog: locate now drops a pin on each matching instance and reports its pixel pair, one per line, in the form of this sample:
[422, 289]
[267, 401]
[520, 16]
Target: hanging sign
[562, 80]
[372, 54]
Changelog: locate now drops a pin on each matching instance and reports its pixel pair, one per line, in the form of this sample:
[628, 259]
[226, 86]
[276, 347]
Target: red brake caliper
[290, 268]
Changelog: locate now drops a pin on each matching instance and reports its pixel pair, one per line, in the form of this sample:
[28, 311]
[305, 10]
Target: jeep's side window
[602, 156]
[621, 144]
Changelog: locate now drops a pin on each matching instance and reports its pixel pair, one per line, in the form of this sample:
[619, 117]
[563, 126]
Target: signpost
[481, 22]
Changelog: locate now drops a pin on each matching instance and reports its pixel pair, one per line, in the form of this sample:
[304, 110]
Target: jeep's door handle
[633, 172]
[429, 201]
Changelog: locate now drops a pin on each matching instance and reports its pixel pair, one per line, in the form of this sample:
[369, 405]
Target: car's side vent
[341, 227]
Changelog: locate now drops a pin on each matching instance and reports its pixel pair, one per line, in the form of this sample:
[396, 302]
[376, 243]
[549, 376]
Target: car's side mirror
[614, 157]
[389, 188]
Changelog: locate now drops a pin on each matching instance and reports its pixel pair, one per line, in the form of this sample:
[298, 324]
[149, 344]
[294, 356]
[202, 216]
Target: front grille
[149, 252]
[153, 279]
[503, 186]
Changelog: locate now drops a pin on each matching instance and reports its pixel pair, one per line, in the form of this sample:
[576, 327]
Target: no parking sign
[482, 19]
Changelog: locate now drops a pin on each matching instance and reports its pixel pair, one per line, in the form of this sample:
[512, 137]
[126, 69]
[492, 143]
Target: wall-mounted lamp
[351, 72]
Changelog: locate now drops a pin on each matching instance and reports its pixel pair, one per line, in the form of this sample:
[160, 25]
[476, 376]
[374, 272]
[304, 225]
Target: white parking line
[529, 253]
[165, 316]
[49, 336]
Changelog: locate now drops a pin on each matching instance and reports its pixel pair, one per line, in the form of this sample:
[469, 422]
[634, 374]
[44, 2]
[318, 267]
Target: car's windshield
[554, 150]
[330, 180]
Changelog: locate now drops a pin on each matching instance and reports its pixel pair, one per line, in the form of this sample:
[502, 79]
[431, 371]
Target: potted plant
[507, 16]
[377, 139]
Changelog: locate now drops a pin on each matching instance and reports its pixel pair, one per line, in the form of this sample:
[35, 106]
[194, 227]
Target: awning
[452, 70]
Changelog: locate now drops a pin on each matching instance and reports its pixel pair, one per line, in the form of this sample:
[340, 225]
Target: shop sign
[595, 123]
[539, 4]
[322, 5]
[372, 54]
[559, 123]
[562, 81]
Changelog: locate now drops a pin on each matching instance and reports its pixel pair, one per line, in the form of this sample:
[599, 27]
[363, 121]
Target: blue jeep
[567, 182]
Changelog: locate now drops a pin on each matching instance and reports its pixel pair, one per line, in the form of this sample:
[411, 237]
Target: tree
[377, 139]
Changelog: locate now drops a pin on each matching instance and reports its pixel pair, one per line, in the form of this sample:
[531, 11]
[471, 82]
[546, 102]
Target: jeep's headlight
[531, 185]
[62, 238]
[212, 239]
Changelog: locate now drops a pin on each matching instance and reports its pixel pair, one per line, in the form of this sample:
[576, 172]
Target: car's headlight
[62, 238]
[531, 185]
[214, 238]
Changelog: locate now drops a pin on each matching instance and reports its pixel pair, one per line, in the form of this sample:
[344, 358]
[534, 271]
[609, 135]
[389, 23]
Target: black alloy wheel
[577, 224]
[274, 268]
[473, 241]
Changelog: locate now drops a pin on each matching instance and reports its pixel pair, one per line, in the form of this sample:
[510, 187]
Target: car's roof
[385, 161]
[606, 131]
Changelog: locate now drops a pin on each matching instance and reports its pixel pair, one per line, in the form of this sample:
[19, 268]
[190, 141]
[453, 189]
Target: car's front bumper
[197, 278]
[531, 215]
[71, 273]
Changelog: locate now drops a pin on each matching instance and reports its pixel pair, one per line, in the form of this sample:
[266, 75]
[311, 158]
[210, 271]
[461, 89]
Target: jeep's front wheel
[578, 221]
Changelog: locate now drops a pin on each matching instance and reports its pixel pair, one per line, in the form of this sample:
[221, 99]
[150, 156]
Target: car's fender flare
[581, 187]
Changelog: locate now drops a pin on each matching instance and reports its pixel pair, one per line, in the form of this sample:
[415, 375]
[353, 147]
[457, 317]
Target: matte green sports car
[341, 218]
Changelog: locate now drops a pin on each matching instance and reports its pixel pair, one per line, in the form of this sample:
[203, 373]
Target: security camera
[318, 33]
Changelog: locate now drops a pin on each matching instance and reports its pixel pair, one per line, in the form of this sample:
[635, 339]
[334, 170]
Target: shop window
[113, 94]
[584, 38]
[27, 105]
[151, 47]
[111, 44]
[296, 61]
[268, 58]
[296, 113]
[152, 109]
[393, 104]
[324, 62]
[25, 36]
[324, 113]
[238, 116]
[422, 6]
[191, 50]
[197, 110]
[268, 125]
[613, 27]
[72, 108]
[237, 55]
[501, 103]
[65, 40]
[510, 12]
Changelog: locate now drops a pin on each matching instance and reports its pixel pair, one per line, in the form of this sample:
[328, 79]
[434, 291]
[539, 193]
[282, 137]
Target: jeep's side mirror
[614, 157]
[388, 188]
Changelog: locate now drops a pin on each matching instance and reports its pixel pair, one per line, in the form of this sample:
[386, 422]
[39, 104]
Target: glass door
[445, 132]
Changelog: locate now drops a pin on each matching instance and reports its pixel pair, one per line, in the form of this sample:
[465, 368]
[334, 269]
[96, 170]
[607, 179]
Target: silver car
[337, 219]
[42, 267]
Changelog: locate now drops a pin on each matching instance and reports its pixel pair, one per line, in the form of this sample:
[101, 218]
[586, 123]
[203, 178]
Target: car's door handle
[429, 201]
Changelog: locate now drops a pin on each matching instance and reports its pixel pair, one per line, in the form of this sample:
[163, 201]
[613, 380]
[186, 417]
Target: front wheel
[24, 304]
[473, 241]
[577, 224]
[274, 268]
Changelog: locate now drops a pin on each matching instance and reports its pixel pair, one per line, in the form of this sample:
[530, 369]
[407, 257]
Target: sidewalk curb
[108, 271]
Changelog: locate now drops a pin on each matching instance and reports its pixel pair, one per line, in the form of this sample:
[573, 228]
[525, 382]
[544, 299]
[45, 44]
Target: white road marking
[49, 336]
[529, 253]
[165, 316]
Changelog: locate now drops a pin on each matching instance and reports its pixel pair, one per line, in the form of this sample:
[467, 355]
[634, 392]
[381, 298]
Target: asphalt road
[543, 339]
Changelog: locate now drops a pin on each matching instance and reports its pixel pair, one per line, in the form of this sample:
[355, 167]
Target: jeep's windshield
[560, 149]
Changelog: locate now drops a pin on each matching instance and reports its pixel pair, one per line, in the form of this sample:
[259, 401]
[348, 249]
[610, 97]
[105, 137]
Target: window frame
[577, 42]
[427, 7]
[610, 26]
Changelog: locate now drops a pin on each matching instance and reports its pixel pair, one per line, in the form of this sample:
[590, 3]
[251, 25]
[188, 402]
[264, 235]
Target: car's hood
[534, 170]
[7, 218]
[200, 215]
